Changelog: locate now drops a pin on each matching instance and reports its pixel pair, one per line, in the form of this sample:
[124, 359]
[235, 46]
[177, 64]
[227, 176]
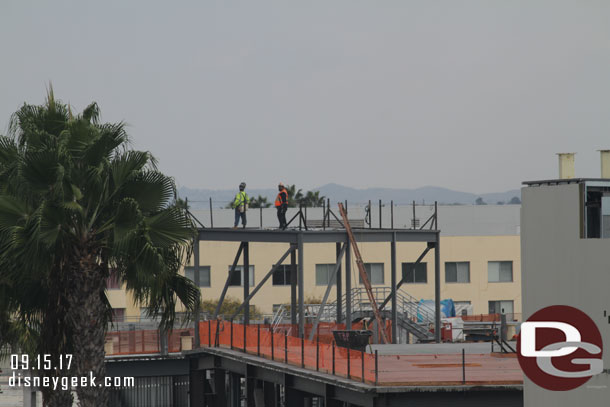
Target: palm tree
[260, 202]
[294, 196]
[75, 202]
[313, 199]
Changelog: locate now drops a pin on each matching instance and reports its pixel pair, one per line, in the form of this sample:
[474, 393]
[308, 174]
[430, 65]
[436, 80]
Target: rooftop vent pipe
[605, 161]
[566, 165]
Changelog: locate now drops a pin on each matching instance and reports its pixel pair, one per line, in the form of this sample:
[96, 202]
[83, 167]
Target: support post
[339, 288]
[196, 315]
[393, 289]
[392, 214]
[293, 285]
[413, 220]
[211, 216]
[380, 214]
[262, 282]
[246, 281]
[348, 286]
[437, 289]
[327, 292]
[196, 387]
[301, 287]
[220, 392]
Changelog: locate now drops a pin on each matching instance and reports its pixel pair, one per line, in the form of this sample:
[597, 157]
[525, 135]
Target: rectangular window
[204, 275]
[501, 307]
[412, 274]
[113, 282]
[237, 278]
[374, 271]
[281, 275]
[457, 272]
[324, 273]
[499, 271]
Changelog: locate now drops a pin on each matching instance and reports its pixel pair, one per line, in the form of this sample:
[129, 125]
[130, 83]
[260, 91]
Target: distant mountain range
[199, 198]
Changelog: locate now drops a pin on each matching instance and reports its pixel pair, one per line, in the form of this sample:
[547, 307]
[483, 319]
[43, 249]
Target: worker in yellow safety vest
[281, 204]
[240, 204]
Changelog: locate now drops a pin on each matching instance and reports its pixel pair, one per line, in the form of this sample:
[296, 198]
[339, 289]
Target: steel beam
[348, 287]
[393, 290]
[327, 292]
[262, 282]
[315, 236]
[293, 284]
[437, 289]
[196, 315]
[301, 287]
[339, 288]
[226, 287]
[246, 282]
[220, 392]
[402, 279]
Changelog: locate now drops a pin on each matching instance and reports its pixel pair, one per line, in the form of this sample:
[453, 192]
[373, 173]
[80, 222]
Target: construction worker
[240, 203]
[281, 204]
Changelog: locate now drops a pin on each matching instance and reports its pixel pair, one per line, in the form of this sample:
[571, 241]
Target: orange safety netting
[283, 347]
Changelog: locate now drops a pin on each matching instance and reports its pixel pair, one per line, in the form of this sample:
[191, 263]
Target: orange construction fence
[317, 355]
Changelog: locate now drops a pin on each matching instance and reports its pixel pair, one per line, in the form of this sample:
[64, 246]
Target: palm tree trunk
[87, 319]
[56, 398]
[55, 342]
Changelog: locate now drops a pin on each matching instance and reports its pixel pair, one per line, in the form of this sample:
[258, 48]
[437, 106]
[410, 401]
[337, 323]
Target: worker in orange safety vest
[281, 204]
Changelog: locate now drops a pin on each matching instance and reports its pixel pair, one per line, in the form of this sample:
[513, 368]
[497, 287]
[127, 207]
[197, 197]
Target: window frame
[286, 272]
[456, 263]
[404, 267]
[201, 280]
[240, 268]
[329, 268]
[512, 272]
[369, 273]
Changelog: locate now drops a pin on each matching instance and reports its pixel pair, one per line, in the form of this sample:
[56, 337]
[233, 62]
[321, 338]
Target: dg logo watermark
[560, 348]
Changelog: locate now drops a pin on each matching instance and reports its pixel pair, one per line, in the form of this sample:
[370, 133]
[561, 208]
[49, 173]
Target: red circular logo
[560, 348]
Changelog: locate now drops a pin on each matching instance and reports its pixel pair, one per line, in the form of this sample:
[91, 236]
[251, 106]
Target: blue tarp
[427, 306]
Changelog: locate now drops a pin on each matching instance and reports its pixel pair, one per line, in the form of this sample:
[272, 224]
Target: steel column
[196, 316]
[220, 391]
[293, 285]
[327, 292]
[348, 287]
[246, 281]
[262, 282]
[301, 287]
[339, 288]
[437, 289]
[196, 387]
[393, 289]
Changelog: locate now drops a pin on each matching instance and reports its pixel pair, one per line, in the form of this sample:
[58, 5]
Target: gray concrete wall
[560, 268]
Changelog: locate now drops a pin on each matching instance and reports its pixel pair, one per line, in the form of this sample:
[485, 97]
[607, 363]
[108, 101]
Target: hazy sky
[470, 95]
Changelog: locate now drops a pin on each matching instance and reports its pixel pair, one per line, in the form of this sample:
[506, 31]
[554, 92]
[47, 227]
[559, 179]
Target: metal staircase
[413, 317]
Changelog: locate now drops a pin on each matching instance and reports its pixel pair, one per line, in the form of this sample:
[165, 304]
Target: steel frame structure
[296, 239]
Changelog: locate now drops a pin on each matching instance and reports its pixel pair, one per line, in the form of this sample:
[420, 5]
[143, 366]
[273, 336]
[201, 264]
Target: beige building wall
[477, 250]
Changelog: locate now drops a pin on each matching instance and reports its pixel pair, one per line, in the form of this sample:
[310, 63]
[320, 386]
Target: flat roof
[561, 181]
